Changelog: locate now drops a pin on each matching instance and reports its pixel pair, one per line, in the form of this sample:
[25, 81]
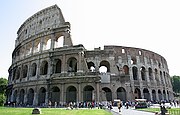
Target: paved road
[124, 111]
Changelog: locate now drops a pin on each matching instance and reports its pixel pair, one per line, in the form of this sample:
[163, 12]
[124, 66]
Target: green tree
[176, 83]
[3, 85]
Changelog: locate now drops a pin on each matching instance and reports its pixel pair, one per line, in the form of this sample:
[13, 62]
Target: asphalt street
[129, 111]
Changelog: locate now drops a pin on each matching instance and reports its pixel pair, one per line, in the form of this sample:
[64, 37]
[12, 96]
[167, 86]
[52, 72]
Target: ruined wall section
[43, 20]
[156, 68]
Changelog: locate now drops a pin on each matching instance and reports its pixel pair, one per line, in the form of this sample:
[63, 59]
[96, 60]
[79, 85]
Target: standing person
[119, 104]
[127, 105]
[55, 104]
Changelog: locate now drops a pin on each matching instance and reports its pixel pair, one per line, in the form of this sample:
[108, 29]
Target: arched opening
[140, 53]
[25, 71]
[44, 68]
[137, 93]
[9, 94]
[135, 72]
[59, 42]
[30, 97]
[72, 64]
[36, 46]
[103, 69]
[88, 94]
[150, 74]
[154, 95]
[143, 73]
[58, 66]
[107, 94]
[156, 75]
[21, 97]
[34, 67]
[126, 69]
[133, 60]
[168, 95]
[123, 51]
[41, 96]
[15, 96]
[146, 94]
[160, 95]
[55, 95]
[28, 49]
[18, 73]
[14, 73]
[105, 64]
[22, 52]
[121, 94]
[91, 66]
[71, 94]
[47, 44]
[164, 94]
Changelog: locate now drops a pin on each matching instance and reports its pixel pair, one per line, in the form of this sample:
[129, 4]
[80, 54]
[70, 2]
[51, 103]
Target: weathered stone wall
[46, 66]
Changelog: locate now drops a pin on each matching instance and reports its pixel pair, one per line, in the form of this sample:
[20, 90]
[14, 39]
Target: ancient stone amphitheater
[46, 66]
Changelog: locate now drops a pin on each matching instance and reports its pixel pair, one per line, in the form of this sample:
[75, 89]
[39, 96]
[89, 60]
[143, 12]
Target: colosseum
[46, 66]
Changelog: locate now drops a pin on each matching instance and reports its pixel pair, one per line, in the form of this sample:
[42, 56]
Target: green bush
[2, 99]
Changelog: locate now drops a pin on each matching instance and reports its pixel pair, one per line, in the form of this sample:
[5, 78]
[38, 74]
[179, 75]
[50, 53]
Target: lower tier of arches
[42, 95]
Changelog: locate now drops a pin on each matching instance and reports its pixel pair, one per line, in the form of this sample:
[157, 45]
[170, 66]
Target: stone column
[35, 100]
[18, 96]
[128, 91]
[97, 92]
[147, 75]
[38, 69]
[79, 93]
[67, 39]
[157, 96]
[150, 93]
[142, 94]
[32, 50]
[52, 42]
[25, 96]
[79, 68]
[29, 71]
[153, 75]
[62, 94]
[64, 66]
[139, 75]
[130, 68]
[47, 98]
[41, 44]
[166, 94]
[12, 96]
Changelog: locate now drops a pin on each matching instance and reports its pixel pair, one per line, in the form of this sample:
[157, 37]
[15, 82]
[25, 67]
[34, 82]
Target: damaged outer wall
[40, 73]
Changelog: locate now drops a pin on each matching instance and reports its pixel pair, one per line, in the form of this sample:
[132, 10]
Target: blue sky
[149, 24]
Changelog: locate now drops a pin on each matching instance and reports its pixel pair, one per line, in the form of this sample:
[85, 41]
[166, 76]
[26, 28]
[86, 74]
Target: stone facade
[46, 66]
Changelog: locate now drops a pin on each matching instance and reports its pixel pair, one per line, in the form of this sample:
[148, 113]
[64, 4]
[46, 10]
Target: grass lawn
[150, 109]
[52, 111]
[172, 111]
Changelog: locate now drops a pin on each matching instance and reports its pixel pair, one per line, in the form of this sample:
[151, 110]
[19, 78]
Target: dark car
[141, 103]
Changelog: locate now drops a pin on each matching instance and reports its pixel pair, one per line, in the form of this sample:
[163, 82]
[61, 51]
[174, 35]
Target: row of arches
[40, 45]
[137, 94]
[89, 94]
[157, 76]
[19, 72]
[54, 95]
[145, 74]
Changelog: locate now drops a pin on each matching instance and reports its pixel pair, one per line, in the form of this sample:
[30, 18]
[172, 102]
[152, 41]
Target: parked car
[141, 103]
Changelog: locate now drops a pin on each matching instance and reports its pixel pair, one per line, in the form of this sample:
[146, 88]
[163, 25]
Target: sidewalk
[129, 111]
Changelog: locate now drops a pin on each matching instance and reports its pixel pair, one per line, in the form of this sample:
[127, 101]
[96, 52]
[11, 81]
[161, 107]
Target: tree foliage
[3, 85]
[176, 83]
